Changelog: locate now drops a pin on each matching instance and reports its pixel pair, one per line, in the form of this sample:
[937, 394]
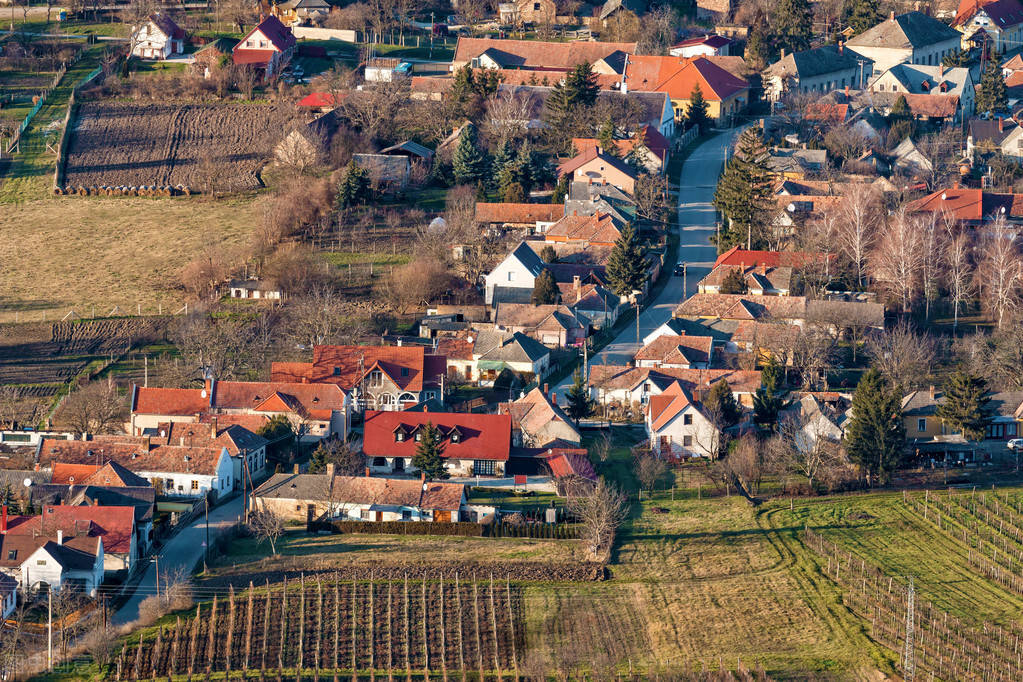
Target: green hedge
[463, 528]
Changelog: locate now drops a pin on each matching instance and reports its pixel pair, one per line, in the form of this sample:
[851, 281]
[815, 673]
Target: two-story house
[1001, 21]
[913, 38]
[920, 83]
[819, 69]
[158, 38]
[268, 47]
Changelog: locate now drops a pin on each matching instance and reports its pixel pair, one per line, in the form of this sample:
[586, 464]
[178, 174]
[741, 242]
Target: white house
[53, 562]
[819, 69]
[702, 46]
[934, 81]
[158, 38]
[677, 426]
[912, 37]
[518, 270]
[8, 596]
[1001, 20]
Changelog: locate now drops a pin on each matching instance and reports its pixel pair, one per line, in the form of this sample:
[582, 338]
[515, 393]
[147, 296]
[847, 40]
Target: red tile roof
[317, 100]
[131, 453]
[279, 35]
[677, 350]
[677, 76]
[772, 259]
[666, 406]
[247, 56]
[565, 462]
[651, 138]
[116, 525]
[518, 213]
[178, 402]
[969, 205]
[714, 41]
[346, 365]
[71, 474]
[597, 229]
[305, 399]
[581, 159]
[482, 436]
[932, 106]
[535, 54]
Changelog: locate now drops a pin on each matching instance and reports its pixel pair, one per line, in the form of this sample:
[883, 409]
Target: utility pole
[156, 558]
[637, 320]
[49, 628]
[685, 281]
[206, 545]
[908, 658]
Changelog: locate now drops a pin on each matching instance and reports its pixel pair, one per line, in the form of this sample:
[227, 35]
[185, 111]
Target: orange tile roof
[677, 350]
[179, 402]
[743, 307]
[597, 229]
[772, 259]
[651, 139]
[115, 525]
[535, 54]
[678, 76]
[518, 213]
[70, 474]
[969, 205]
[346, 365]
[666, 406]
[131, 453]
[307, 399]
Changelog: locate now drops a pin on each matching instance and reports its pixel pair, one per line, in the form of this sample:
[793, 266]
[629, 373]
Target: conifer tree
[548, 254]
[875, 436]
[560, 190]
[721, 402]
[965, 405]
[581, 85]
[767, 402]
[503, 156]
[743, 194]
[863, 14]
[992, 96]
[428, 453]
[734, 282]
[697, 115]
[900, 120]
[759, 51]
[793, 25]
[545, 289]
[606, 136]
[470, 163]
[579, 402]
[353, 188]
[626, 267]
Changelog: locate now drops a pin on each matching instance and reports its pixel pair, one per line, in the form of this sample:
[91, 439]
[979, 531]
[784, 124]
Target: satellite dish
[27, 482]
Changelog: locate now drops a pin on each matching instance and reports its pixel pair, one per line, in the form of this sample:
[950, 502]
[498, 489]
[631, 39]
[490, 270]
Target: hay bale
[82, 192]
[187, 191]
[58, 191]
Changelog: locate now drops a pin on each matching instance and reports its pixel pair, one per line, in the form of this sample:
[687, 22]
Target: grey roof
[15, 479]
[382, 166]
[611, 6]
[1005, 403]
[529, 258]
[912, 29]
[512, 295]
[982, 130]
[411, 147]
[585, 191]
[616, 60]
[515, 347]
[920, 403]
[796, 160]
[816, 61]
[295, 487]
[913, 76]
[590, 207]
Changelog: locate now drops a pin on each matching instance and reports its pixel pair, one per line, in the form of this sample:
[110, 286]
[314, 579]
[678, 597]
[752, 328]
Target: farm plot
[159, 145]
[356, 626]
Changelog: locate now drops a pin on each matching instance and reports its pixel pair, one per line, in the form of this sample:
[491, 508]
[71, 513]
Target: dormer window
[404, 371]
[399, 435]
[337, 371]
[316, 400]
[419, 436]
[456, 437]
[12, 555]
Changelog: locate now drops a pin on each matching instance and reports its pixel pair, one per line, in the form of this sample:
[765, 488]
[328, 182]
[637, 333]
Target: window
[404, 371]
[921, 424]
[40, 562]
[536, 7]
[419, 436]
[687, 441]
[406, 515]
[511, 276]
[298, 507]
[455, 436]
[376, 378]
[399, 436]
[687, 419]
[169, 484]
[337, 371]
[248, 43]
[483, 467]
[379, 462]
[262, 43]
[12, 555]
[195, 484]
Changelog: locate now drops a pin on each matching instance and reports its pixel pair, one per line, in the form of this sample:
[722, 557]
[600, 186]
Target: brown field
[117, 144]
[63, 253]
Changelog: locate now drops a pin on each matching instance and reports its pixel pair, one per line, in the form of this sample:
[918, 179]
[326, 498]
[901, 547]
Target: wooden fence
[14, 143]
[58, 173]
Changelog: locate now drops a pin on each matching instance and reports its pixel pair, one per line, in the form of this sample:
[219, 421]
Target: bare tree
[902, 356]
[415, 284]
[95, 407]
[508, 112]
[859, 215]
[224, 348]
[805, 445]
[320, 317]
[100, 643]
[745, 464]
[958, 268]
[267, 526]
[134, 14]
[932, 262]
[245, 78]
[896, 261]
[18, 408]
[941, 150]
[600, 512]
[813, 355]
[1000, 273]
[649, 469]
[376, 111]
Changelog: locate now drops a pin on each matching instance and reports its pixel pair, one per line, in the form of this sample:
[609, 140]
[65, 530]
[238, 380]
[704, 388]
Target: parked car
[678, 270]
[1015, 444]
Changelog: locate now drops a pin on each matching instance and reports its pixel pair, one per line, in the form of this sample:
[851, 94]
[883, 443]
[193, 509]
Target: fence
[58, 173]
[13, 143]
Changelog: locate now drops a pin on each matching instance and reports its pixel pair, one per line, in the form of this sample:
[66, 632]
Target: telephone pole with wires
[908, 656]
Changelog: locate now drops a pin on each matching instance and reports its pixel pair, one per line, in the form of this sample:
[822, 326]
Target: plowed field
[118, 144]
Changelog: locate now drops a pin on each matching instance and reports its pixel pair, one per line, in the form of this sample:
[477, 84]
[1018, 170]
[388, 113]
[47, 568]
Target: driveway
[182, 551]
[696, 218]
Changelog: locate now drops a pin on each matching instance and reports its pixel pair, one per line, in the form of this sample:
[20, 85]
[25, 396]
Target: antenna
[908, 658]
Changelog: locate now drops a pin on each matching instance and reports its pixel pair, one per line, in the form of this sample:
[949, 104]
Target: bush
[461, 528]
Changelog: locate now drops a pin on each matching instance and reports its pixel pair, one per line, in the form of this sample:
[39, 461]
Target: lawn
[109, 251]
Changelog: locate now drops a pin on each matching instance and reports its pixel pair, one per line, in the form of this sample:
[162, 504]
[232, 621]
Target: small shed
[389, 173]
[255, 289]
[413, 150]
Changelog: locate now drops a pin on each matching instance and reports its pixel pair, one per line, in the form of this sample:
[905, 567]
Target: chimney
[60, 537]
[783, 53]
[213, 427]
[422, 476]
[930, 391]
[330, 470]
[147, 444]
[182, 441]
[891, 16]
[840, 46]
[1001, 125]
[554, 398]
[3, 521]
[296, 468]
[575, 282]
[546, 389]
[847, 91]
[367, 472]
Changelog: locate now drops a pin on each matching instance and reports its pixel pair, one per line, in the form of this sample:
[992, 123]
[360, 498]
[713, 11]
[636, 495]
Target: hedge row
[462, 528]
[559, 531]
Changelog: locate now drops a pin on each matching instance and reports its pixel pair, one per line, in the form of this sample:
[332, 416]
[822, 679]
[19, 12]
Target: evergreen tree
[548, 254]
[697, 115]
[545, 289]
[637, 158]
[900, 120]
[875, 436]
[606, 136]
[992, 96]
[513, 193]
[503, 156]
[346, 460]
[721, 402]
[428, 453]
[470, 163]
[734, 282]
[626, 267]
[759, 51]
[793, 25]
[863, 14]
[743, 194]
[965, 405]
[353, 188]
[561, 190]
[771, 375]
[579, 403]
[766, 406]
[581, 85]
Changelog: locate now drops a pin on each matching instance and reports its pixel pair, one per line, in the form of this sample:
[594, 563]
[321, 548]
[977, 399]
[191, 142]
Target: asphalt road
[182, 551]
[696, 219]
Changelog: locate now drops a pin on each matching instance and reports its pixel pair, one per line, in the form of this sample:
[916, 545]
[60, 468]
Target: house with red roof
[472, 444]
[739, 257]
[585, 231]
[268, 47]
[702, 46]
[377, 377]
[51, 562]
[972, 207]
[316, 410]
[652, 148]
[678, 426]
[1001, 21]
[594, 166]
[319, 101]
[677, 351]
[115, 525]
[534, 218]
[726, 93]
[158, 38]
[540, 56]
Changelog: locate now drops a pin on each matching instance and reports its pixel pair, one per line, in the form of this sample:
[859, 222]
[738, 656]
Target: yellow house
[919, 414]
[725, 93]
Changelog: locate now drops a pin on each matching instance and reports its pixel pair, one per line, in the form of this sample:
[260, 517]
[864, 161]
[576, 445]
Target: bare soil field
[117, 144]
